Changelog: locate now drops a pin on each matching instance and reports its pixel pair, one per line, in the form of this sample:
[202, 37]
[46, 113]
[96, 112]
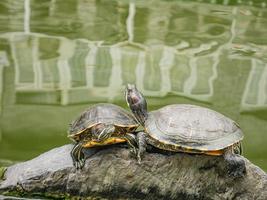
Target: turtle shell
[192, 128]
[102, 113]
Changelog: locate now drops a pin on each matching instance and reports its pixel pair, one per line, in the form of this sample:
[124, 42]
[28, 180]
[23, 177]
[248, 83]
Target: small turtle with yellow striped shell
[187, 128]
[100, 125]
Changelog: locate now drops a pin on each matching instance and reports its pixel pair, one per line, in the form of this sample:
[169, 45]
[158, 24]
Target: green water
[58, 57]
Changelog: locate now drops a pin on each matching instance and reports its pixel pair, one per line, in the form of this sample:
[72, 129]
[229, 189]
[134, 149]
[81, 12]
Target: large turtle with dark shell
[99, 125]
[187, 128]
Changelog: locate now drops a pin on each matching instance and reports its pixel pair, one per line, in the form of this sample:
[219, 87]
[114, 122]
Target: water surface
[59, 57]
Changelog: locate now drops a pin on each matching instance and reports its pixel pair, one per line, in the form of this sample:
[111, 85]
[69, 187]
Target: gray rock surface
[112, 173]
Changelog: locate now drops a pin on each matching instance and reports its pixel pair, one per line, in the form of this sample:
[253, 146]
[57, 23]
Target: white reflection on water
[33, 74]
[27, 15]
[4, 62]
[255, 93]
[78, 66]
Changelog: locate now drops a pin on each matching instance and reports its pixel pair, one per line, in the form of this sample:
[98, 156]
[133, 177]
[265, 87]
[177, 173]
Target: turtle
[99, 125]
[187, 128]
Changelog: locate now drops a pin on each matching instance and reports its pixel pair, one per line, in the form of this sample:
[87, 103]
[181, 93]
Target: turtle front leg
[132, 143]
[137, 144]
[235, 164]
[142, 145]
[77, 155]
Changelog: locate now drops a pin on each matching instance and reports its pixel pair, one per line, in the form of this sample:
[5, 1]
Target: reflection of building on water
[3, 63]
[55, 70]
[255, 93]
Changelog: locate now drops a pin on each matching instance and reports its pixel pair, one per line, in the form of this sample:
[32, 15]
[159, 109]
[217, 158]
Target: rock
[111, 173]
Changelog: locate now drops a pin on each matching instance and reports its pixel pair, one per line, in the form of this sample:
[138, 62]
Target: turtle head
[137, 103]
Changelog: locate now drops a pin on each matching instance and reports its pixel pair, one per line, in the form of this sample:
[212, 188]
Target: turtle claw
[76, 164]
[83, 160]
[134, 152]
[79, 164]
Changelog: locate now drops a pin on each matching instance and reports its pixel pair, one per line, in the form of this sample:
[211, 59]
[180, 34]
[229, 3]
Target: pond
[59, 57]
